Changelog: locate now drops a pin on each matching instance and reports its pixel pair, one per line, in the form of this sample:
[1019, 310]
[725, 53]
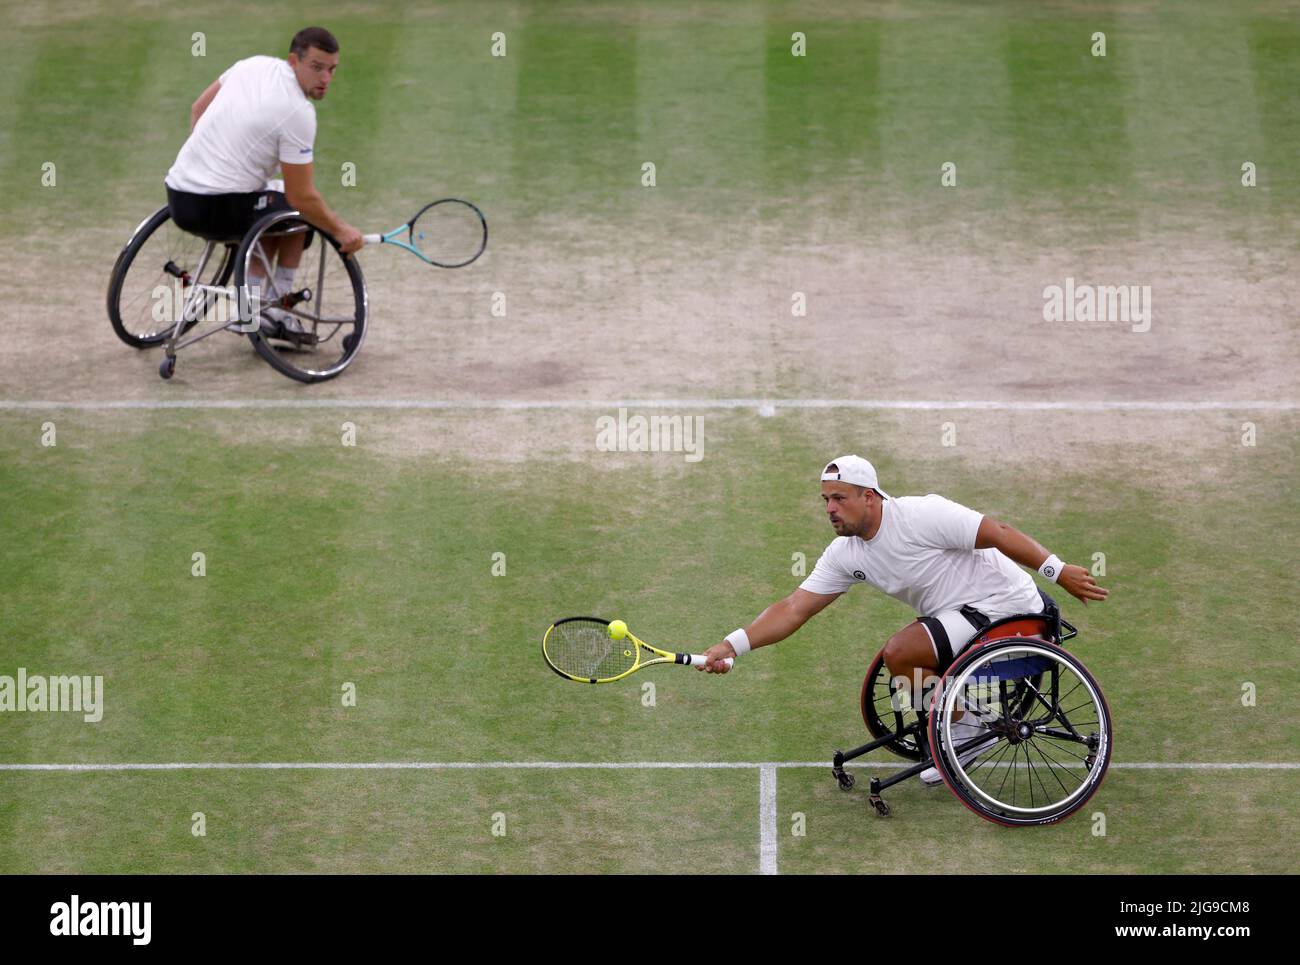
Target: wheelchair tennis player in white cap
[955, 567]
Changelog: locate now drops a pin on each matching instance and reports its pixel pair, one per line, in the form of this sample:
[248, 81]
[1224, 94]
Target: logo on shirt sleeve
[859, 575]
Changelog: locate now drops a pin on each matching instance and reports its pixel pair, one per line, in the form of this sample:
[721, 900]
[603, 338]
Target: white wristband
[739, 641]
[1051, 568]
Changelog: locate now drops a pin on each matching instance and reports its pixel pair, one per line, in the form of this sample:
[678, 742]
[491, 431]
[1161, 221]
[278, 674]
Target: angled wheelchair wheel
[152, 275]
[1044, 740]
[884, 714]
[313, 331]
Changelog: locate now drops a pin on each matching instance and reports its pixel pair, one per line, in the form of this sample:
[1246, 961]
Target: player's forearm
[1018, 546]
[774, 624]
[313, 207]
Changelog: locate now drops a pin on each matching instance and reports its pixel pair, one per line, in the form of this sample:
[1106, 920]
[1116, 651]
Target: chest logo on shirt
[859, 575]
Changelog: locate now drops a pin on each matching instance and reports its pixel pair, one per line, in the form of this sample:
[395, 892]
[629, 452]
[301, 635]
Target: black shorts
[222, 216]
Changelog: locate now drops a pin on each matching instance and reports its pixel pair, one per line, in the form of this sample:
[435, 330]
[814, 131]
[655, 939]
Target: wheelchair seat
[1047, 625]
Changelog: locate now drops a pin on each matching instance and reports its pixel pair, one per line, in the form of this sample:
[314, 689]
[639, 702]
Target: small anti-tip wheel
[882, 809]
[349, 342]
[167, 366]
[846, 780]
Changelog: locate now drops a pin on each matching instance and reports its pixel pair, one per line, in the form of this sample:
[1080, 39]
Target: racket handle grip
[699, 660]
[372, 239]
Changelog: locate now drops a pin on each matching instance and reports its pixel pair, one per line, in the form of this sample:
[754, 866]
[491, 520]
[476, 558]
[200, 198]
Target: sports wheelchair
[1048, 740]
[166, 281]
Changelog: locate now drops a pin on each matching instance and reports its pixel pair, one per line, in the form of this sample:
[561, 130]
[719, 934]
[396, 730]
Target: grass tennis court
[423, 563]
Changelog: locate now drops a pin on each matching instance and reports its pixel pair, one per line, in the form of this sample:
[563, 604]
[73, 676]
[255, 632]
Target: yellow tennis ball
[617, 630]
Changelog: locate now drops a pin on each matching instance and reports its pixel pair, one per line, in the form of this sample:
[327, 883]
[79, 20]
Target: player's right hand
[349, 239]
[718, 654]
[1079, 583]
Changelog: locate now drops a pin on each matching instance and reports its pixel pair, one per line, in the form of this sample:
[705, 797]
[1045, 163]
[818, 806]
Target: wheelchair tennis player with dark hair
[227, 217]
[978, 692]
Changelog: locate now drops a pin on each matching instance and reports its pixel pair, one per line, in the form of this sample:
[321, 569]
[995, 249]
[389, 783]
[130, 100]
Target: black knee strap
[943, 648]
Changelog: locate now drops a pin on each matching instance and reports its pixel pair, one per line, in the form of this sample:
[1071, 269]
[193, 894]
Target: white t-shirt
[924, 555]
[259, 118]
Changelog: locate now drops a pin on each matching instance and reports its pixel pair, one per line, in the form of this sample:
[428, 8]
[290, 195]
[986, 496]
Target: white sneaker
[962, 733]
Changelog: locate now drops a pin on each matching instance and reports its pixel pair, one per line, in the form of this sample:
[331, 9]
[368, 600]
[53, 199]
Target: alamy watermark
[131, 919]
[80, 695]
[1098, 303]
[656, 433]
[982, 694]
[228, 305]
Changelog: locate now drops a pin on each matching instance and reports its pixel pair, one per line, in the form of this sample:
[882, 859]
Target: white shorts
[952, 631]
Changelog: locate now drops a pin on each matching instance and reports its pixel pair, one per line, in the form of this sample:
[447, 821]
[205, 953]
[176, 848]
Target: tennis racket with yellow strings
[594, 651]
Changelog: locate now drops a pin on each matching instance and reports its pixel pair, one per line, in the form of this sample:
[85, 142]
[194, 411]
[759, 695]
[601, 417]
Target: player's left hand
[1079, 583]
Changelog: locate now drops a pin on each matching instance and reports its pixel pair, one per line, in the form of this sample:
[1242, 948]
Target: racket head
[580, 648]
[448, 233]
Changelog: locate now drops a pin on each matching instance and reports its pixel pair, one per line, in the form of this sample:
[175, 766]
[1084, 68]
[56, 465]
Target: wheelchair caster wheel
[845, 779]
[167, 366]
[882, 809]
[349, 342]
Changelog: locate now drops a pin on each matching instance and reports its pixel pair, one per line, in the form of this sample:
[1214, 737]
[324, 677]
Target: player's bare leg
[912, 662]
[910, 657]
[279, 258]
[289, 249]
[282, 256]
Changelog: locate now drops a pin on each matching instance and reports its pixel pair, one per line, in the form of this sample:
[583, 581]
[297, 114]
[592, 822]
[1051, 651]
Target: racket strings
[449, 233]
[586, 650]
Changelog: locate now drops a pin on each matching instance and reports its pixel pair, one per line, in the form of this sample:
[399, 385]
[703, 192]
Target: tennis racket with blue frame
[449, 233]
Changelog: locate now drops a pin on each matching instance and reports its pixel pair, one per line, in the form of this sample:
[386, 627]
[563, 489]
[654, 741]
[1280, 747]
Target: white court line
[509, 405]
[767, 815]
[767, 820]
[576, 766]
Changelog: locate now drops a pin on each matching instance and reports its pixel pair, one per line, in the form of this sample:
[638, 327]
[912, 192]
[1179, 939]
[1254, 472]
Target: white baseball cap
[854, 470]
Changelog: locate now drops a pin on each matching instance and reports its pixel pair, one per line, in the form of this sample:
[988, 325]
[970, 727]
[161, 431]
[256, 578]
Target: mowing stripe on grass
[600, 404]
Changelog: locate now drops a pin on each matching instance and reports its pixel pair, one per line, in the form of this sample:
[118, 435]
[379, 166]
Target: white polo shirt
[259, 118]
[924, 555]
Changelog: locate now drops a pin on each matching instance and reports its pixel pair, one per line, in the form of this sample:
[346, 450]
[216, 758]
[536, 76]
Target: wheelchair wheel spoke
[1010, 773]
[1035, 772]
[1086, 703]
[991, 763]
[1065, 748]
[1052, 766]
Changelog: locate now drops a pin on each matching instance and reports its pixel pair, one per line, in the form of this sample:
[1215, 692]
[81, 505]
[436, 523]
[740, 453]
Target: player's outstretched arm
[1026, 551]
[300, 191]
[774, 624]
